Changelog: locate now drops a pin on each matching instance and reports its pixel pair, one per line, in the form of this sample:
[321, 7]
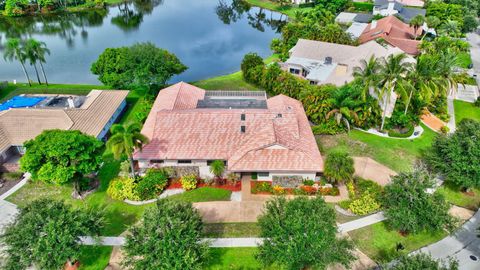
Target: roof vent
[242, 129]
[328, 60]
[279, 115]
[242, 117]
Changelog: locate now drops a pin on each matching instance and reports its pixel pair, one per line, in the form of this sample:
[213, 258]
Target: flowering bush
[123, 188]
[278, 190]
[309, 190]
[189, 182]
[328, 191]
[262, 187]
[152, 184]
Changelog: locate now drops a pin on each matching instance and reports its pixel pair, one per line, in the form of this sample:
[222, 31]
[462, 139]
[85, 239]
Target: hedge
[363, 6]
[407, 134]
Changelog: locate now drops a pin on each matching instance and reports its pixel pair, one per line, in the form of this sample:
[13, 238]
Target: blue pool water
[20, 102]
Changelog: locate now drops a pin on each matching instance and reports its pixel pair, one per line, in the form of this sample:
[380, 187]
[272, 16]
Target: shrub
[308, 182]
[351, 189]
[233, 178]
[189, 182]
[339, 167]
[344, 204]
[309, 190]
[364, 205]
[152, 184]
[122, 188]
[250, 61]
[477, 102]
[278, 190]
[363, 6]
[363, 186]
[254, 176]
[329, 191]
[327, 128]
[408, 133]
[12, 176]
[262, 187]
[444, 129]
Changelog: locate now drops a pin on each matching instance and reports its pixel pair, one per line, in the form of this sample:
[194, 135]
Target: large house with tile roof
[251, 133]
[393, 32]
[93, 114]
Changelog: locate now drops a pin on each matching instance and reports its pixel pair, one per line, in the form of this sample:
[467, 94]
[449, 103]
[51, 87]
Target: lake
[209, 36]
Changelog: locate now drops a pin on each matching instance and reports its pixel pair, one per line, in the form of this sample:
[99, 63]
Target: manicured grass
[268, 4]
[225, 230]
[465, 110]
[378, 242]
[234, 258]
[118, 215]
[232, 81]
[94, 257]
[67, 89]
[398, 154]
[203, 194]
[454, 196]
[464, 59]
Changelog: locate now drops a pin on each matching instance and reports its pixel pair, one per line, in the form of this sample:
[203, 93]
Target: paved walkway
[463, 246]
[18, 186]
[368, 168]
[212, 242]
[361, 222]
[431, 121]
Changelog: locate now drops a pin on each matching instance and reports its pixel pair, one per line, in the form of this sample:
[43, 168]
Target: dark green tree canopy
[142, 64]
[457, 156]
[168, 238]
[301, 233]
[410, 208]
[60, 156]
[339, 167]
[46, 234]
[422, 261]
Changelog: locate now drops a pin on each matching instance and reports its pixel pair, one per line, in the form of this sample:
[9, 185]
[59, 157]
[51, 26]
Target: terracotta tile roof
[270, 142]
[22, 124]
[393, 31]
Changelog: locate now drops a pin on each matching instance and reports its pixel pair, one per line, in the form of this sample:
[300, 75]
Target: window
[184, 161]
[242, 129]
[242, 117]
[294, 71]
[263, 174]
[156, 161]
[313, 82]
[304, 73]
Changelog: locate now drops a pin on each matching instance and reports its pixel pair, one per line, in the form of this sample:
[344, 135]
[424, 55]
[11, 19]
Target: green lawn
[234, 258]
[225, 230]
[398, 154]
[94, 257]
[379, 243]
[68, 89]
[465, 110]
[271, 5]
[232, 81]
[203, 194]
[464, 59]
[454, 196]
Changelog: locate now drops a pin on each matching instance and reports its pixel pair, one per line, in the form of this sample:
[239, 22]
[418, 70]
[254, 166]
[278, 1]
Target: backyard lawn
[465, 110]
[203, 194]
[398, 154]
[234, 258]
[232, 81]
[67, 89]
[379, 243]
[454, 196]
[271, 5]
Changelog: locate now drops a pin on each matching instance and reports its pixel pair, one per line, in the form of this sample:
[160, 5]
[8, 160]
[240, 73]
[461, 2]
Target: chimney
[71, 104]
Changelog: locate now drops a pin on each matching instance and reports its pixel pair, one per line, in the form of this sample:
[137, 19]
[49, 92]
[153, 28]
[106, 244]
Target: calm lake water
[209, 36]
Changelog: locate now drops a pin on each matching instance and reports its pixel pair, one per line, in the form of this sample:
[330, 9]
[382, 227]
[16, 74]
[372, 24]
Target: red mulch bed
[236, 187]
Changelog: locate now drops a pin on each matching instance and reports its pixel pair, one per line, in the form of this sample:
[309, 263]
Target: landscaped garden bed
[364, 197]
[309, 187]
[232, 186]
[9, 180]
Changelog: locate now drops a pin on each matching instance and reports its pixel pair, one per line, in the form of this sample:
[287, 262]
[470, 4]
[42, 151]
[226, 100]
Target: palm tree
[14, 51]
[447, 62]
[394, 69]
[38, 50]
[124, 141]
[450, 28]
[417, 22]
[433, 22]
[31, 56]
[345, 107]
[368, 74]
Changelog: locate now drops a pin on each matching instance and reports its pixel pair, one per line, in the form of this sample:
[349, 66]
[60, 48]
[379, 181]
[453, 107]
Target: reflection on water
[209, 36]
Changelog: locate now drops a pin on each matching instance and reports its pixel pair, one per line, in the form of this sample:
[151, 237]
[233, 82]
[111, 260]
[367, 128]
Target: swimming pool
[20, 102]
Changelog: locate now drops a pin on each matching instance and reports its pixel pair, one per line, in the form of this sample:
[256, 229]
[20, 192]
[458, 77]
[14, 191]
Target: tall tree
[368, 74]
[339, 167]
[14, 51]
[32, 57]
[410, 208]
[167, 238]
[301, 234]
[38, 50]
[344, 107]
[417, 22]
[46, 235]
[125, 140]
[421, 261]
[394, 68]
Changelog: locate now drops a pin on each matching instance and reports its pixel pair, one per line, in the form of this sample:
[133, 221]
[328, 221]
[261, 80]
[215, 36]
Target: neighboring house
[251, 133]
[93, 114]
[394, 32]
[322, 62]
[357, 22]
[297, 2]
[395, 7]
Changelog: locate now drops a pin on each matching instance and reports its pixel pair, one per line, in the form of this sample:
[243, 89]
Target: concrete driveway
[474, 40]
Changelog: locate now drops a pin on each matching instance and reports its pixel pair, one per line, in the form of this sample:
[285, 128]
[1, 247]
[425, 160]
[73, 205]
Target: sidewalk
[360, 223]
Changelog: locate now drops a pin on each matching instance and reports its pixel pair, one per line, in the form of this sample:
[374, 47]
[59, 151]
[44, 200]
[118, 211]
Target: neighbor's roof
[179, 130]
[22, 124]
[394, 32]
[346, 55]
